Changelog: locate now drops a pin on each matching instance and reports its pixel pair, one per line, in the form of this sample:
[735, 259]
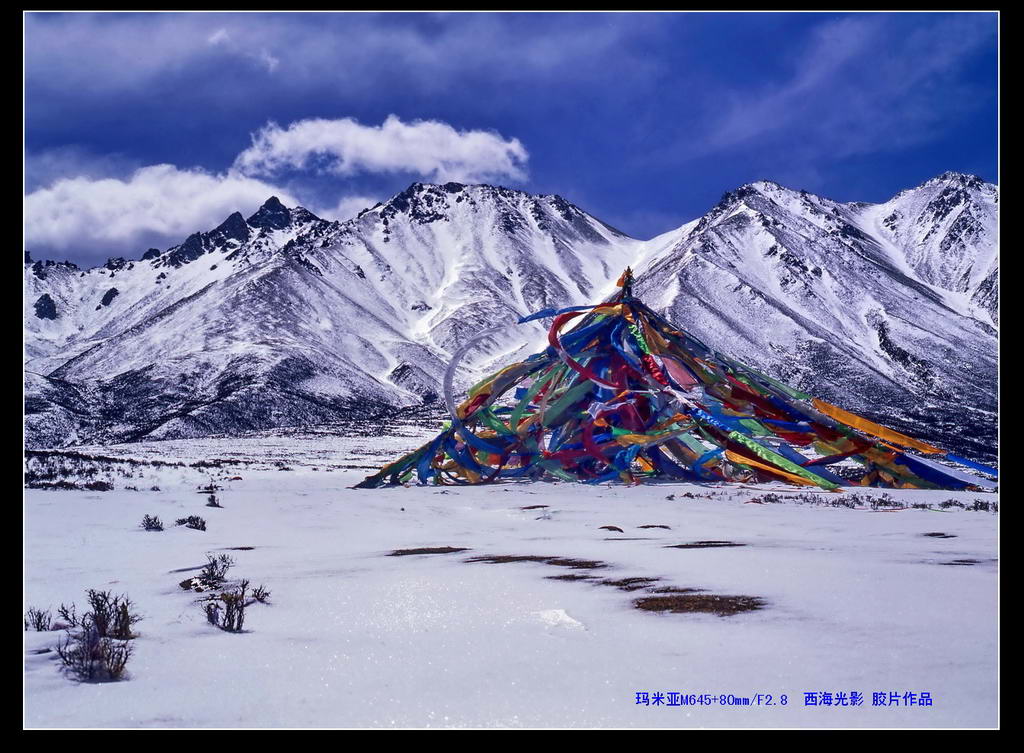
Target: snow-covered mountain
[284, 318]
[887, 309]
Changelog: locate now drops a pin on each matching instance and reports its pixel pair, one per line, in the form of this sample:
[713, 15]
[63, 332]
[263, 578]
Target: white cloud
[268, 60]
[85, 205]
[222, 39]
[159, 200]
[429, 148]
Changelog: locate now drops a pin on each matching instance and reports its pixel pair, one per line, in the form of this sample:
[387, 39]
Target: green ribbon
[776, 459]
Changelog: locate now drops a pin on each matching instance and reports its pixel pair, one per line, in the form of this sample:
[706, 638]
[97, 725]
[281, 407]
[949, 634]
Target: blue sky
[141, 128]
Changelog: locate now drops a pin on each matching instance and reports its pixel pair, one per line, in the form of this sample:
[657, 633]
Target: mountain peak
[273, 215]
[430, 202]
[967, 180]
[730, 198]
[233, 228]
[766, 185]
[453, 187]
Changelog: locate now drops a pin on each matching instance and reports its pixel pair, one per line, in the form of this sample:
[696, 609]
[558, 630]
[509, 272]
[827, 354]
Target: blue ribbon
[971, 464]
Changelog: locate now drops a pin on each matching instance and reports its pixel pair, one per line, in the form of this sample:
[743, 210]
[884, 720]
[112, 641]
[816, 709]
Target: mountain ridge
[326, 316]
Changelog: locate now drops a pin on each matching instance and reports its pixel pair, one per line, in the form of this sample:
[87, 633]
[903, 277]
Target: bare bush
[93, 657]
[38, 620]
[215, 570]
[192, 521]
[229, 613]
[261, 594]
[68, 615]
[234, 608]
[152, 523]
[111, 615]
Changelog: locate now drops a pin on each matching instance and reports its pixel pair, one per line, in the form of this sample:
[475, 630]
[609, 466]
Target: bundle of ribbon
[625, 396]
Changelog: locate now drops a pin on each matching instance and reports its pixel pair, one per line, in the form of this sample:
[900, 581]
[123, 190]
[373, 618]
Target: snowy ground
[853, 600]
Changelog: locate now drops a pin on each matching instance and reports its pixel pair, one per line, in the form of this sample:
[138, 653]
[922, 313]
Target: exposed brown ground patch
[663, 599]
[570, 562]
[428, 550]
[703, 545]
[724, 606]
[630, 584]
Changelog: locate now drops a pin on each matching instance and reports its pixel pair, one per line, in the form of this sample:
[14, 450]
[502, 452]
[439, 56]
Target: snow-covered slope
[886, 309]
[287, 319]
[945, 232]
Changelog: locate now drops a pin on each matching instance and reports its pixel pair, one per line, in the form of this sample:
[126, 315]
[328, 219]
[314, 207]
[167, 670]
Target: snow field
[855, 600]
